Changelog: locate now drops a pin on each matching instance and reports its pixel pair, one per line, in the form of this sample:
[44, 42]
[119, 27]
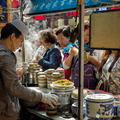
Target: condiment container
[117, 109]
[100, 106]
[64, 97]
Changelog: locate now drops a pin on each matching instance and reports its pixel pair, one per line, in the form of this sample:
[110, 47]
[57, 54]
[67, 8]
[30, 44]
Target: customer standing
[39, 52]
[12, 36]
[110, 71]
[52, 56]
[73, 62]
[63, 34]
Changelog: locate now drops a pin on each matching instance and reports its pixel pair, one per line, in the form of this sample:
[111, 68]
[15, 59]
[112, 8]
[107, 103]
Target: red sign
[72, 14]
[116, 7]
[15, 3]
[41, 17]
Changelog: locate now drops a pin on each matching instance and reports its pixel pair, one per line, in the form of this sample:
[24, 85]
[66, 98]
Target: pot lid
[99, 97]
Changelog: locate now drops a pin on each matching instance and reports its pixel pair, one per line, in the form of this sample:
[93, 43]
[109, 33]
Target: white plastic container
[100, 106]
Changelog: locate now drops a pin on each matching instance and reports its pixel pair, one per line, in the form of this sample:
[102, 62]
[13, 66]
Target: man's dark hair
[8, 29]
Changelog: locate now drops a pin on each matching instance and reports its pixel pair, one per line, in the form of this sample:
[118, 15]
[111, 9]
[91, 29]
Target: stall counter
[43, 115]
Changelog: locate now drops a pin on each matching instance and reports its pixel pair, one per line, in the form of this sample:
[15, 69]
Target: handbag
[103, 83]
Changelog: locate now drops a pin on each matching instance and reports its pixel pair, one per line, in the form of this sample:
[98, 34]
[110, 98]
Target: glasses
[22, 39]
[18, 36]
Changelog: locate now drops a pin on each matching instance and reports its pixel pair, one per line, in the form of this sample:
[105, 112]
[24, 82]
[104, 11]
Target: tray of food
[63, 83]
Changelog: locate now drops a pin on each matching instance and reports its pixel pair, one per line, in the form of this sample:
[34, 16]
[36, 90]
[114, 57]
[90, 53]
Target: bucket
[64, 97]
[100, 106]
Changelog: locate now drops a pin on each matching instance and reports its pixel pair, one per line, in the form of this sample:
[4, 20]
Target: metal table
[42, 114]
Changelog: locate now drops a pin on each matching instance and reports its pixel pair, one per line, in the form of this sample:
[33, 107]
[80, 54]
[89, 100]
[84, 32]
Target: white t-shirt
[40, 51]
[97, 54]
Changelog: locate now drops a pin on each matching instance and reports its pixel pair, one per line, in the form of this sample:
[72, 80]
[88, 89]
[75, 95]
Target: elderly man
[12, 36]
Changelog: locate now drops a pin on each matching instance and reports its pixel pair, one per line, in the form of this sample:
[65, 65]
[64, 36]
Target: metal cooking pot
[30, 77]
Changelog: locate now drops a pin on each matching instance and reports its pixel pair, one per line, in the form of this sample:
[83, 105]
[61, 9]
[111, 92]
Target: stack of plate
[54, 77]
[32, 66]
[61, 71]
[48, 74]
[41, 73]
[42, 81]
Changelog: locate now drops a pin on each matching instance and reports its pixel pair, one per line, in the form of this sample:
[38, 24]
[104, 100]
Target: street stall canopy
[47, 6]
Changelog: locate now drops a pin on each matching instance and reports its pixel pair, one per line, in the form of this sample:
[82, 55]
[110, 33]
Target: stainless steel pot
[30, 77]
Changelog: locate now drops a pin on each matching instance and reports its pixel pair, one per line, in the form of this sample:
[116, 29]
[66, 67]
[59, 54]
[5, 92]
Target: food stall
[54, 82]
[94, 101]
[42, 114]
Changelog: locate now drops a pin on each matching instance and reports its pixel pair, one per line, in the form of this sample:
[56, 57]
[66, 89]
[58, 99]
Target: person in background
[89, 68]
[12, 36]
[57, 43]
[95, 56]
[109, 70]
[40, 51]
[92, 61]
[63, 34]
[52, 57]
[73, 62]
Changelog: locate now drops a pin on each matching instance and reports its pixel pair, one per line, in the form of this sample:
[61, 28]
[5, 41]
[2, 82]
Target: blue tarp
[46, 6]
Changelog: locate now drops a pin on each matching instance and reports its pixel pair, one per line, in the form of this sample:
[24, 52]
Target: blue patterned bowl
[64, 97]
[74, 108]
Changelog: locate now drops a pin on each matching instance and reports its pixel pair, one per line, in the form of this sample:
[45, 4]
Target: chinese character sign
[47, 6]
[51, 5]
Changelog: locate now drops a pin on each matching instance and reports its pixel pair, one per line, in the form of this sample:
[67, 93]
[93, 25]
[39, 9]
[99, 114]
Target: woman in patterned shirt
[110, 70]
